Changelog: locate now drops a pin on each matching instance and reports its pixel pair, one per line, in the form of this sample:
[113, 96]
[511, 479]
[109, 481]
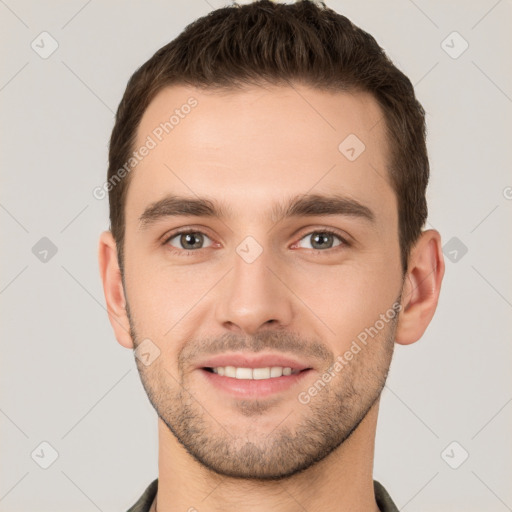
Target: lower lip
[254, 388]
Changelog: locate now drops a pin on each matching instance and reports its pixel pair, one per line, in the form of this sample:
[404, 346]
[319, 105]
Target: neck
[342, 481]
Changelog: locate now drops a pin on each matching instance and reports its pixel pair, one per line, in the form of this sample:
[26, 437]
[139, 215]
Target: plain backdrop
[443, 439]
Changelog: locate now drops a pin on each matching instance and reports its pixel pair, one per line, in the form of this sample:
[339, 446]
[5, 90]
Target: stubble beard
[316, 429]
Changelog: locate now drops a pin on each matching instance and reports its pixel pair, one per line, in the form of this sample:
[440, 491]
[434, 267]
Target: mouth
[254, 383]
[253, 375]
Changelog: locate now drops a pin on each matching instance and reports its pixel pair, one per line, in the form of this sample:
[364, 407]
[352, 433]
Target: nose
[255, 296]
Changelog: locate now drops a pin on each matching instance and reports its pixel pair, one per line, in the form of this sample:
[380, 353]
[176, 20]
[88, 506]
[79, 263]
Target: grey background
[63, 377]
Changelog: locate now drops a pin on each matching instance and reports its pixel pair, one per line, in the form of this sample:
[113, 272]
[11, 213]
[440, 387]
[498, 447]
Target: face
[255, 241]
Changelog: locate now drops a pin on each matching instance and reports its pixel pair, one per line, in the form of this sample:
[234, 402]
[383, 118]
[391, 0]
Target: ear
[113, 289]
[421, 287]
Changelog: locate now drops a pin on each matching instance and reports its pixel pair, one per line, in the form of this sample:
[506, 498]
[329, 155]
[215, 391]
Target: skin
[252, 149]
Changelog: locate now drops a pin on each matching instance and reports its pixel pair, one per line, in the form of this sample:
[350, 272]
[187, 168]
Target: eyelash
[188, 252]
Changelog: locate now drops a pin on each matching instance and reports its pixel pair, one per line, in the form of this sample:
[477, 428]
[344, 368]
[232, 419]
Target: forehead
[252, 147]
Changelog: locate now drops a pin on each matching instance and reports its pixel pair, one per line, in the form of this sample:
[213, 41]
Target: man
[267, 180]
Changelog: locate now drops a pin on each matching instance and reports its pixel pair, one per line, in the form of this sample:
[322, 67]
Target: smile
[269, 372]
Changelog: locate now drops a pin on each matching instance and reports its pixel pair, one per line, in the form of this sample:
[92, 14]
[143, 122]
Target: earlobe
[422, 286]
[113, 289]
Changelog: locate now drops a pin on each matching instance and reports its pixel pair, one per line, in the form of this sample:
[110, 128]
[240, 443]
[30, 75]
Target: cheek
[163, 299]
[347, 299]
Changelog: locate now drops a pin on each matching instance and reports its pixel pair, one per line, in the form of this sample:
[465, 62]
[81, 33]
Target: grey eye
[189, 241]
[322, 240]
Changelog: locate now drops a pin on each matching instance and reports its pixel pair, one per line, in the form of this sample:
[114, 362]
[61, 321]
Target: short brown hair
[264, 42]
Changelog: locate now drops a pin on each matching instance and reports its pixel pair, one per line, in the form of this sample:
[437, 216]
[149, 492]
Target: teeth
[275, 371]
[254, 373]
[230, 371]
[243, 373]
[261, 373]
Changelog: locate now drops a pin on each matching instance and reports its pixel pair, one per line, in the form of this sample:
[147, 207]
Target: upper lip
[245, 360]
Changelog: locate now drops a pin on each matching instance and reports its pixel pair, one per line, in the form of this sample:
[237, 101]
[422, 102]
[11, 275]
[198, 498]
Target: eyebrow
[307, 205]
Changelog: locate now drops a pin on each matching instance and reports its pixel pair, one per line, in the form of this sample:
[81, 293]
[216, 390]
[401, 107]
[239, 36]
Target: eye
[187, 240]
[323, 239]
